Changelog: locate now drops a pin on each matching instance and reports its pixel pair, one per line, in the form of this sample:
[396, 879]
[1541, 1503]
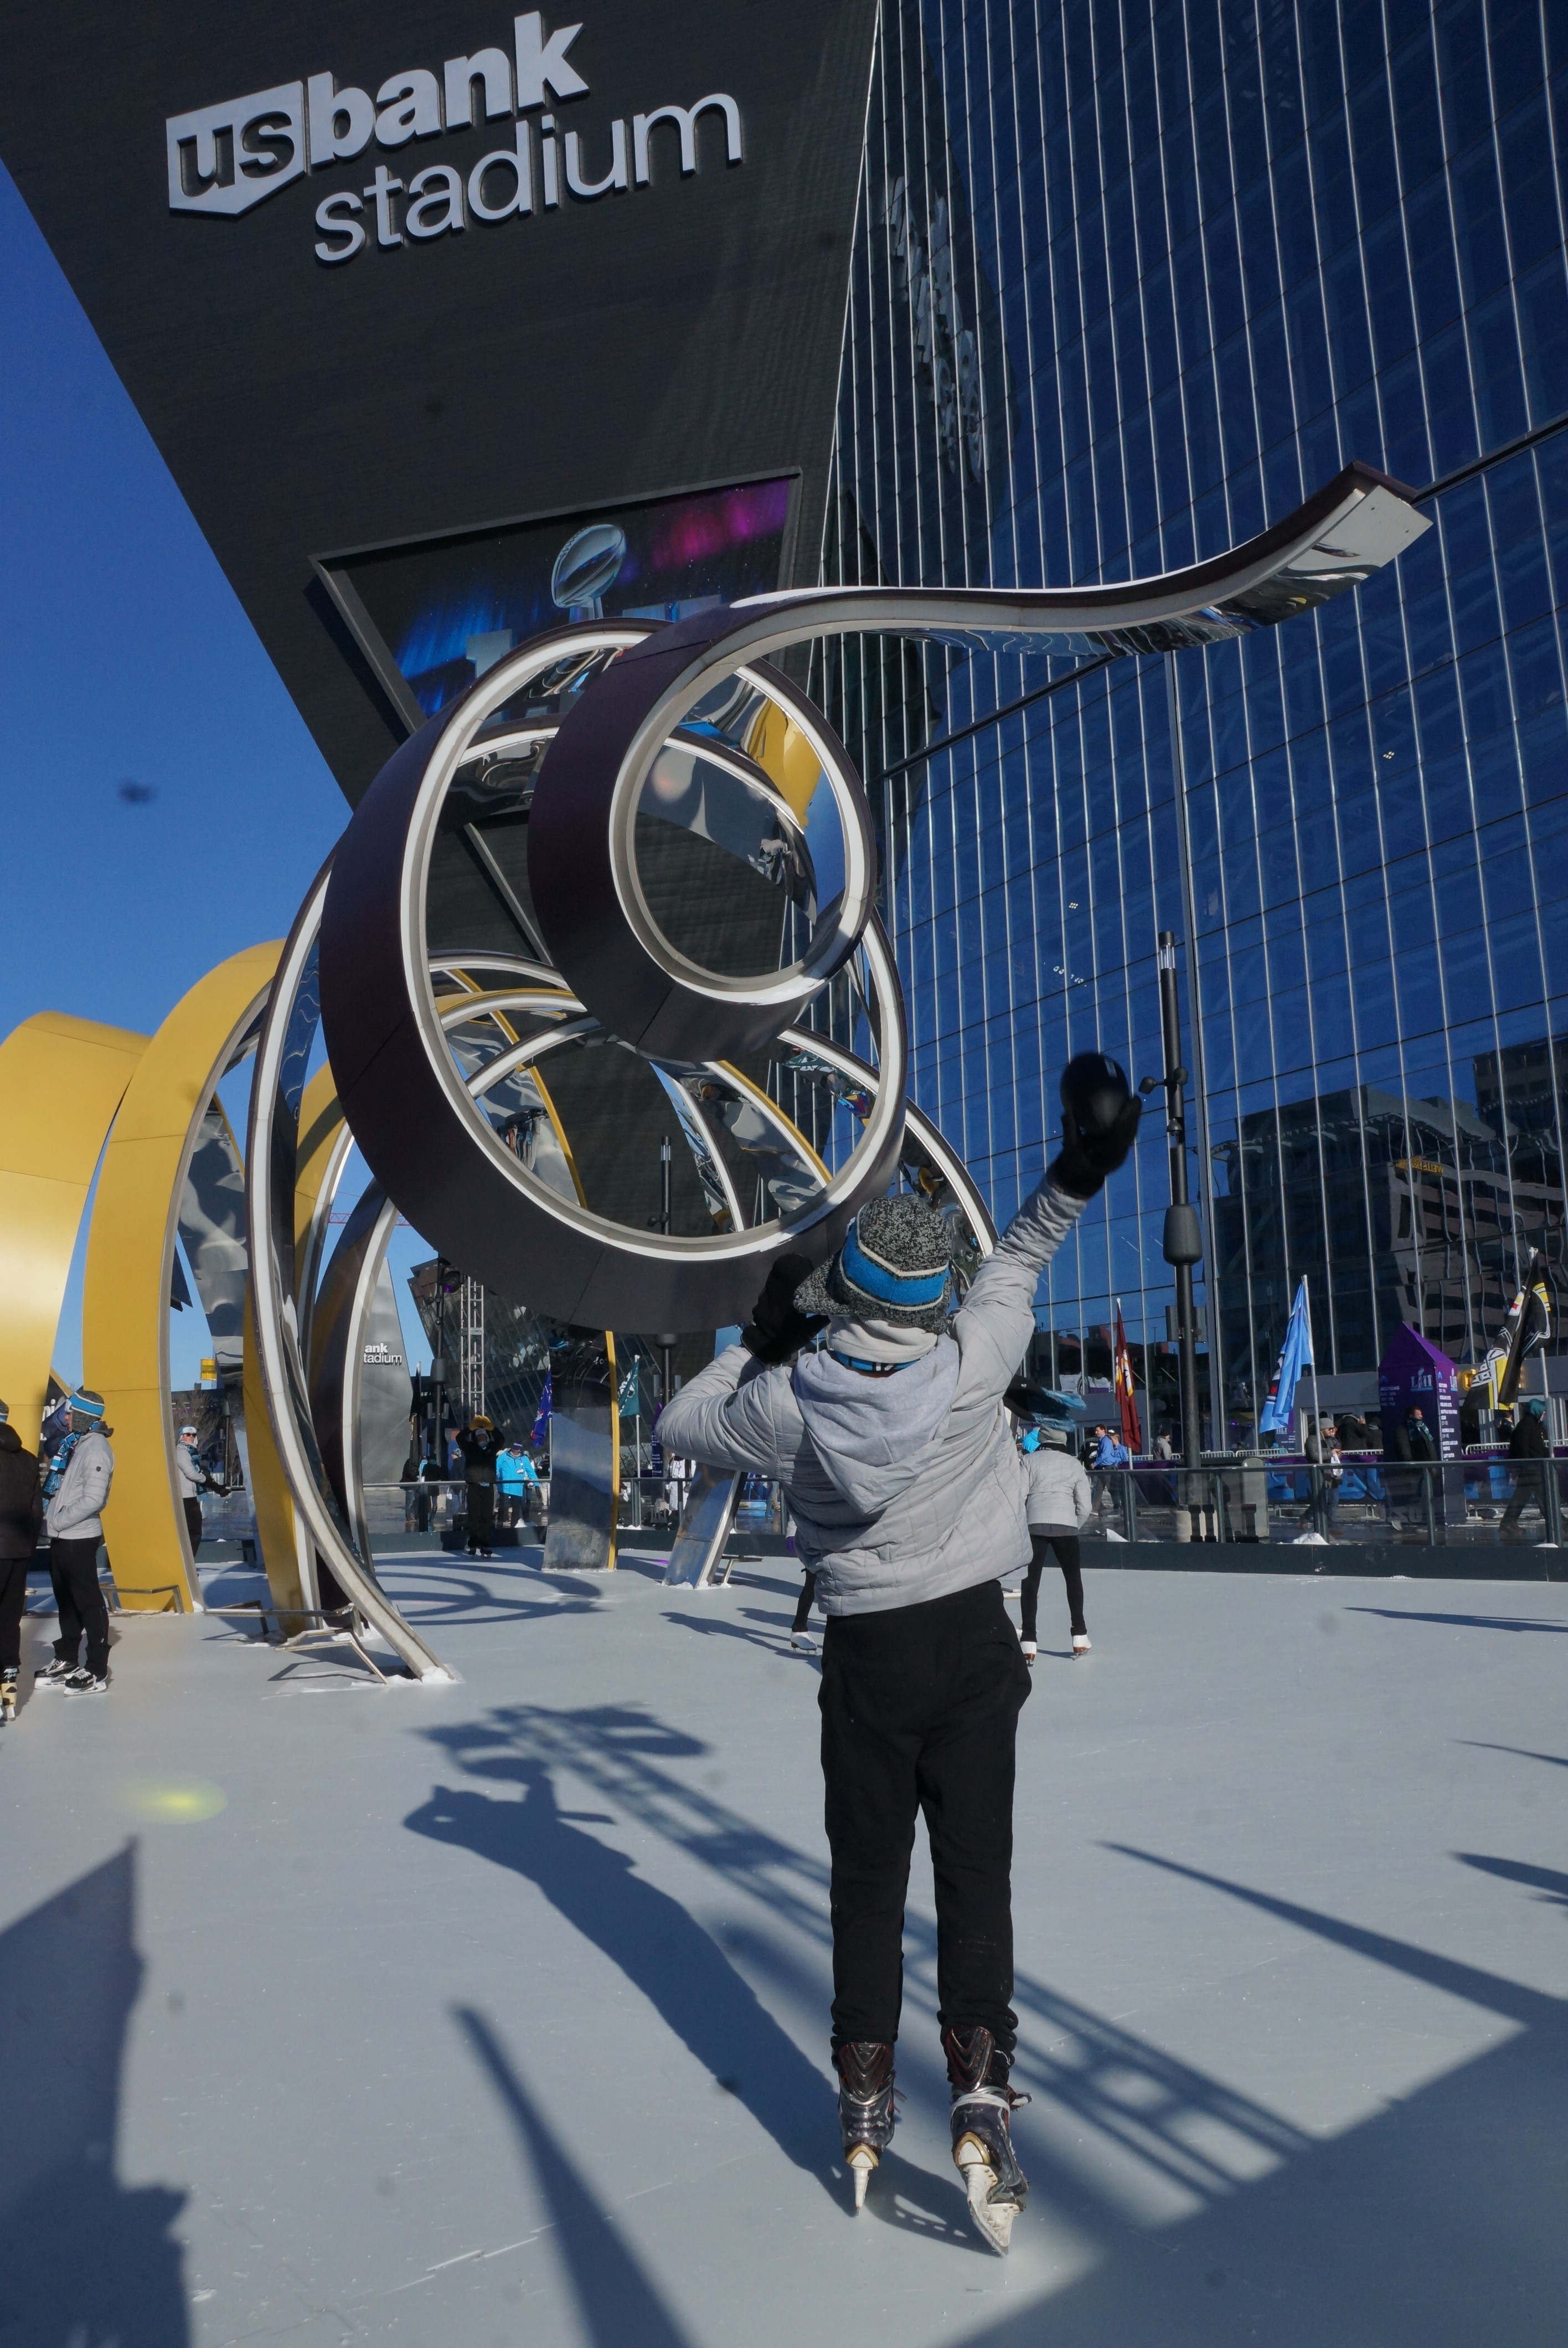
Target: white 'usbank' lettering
[226, 159]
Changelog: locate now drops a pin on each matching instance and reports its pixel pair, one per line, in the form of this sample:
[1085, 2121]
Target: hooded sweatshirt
[903, 1489]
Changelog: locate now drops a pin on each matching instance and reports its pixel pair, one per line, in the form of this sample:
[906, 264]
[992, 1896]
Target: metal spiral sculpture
[693, 874]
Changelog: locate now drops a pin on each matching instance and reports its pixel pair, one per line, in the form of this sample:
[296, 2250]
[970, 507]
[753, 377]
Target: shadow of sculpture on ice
[85, 2261]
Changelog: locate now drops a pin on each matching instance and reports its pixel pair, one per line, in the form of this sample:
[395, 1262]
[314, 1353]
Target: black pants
[74, 1571]
[807, 1599]
[1066, 1548]
[13, 1599]
[1529, 1484]
[919, 1713]
[481, 1516]
[193, 1522]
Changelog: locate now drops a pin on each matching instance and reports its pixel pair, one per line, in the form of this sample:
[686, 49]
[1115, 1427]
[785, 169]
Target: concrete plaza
[497, 2013]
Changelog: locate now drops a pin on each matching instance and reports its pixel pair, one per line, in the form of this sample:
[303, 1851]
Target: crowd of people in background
[1070, 1479]
[502, 1489]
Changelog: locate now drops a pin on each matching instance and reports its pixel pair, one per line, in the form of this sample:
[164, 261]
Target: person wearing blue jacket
[898, 1465]
[516, 1477]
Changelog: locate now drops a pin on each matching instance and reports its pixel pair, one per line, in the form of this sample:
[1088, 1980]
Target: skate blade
[994, 2218]
[862, 2162]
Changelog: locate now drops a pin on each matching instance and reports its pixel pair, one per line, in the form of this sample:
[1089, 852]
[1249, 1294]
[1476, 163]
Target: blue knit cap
[896, 1265]
[86, 1403]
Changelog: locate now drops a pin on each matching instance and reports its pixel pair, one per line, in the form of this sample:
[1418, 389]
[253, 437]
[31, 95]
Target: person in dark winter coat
[75, 1491]
[1413, 1438]
[1528, 1447]
[21, 1517]
[479, 1447]
[1059, 1506]
[899, 1467]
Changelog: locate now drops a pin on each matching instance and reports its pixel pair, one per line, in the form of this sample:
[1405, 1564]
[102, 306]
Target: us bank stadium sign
[227, 159]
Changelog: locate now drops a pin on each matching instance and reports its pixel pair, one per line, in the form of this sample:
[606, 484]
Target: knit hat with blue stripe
[896, 1265]
[86, 1403]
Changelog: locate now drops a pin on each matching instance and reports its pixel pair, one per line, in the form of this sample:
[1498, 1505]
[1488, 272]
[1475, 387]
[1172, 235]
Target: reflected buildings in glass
[1123, 290]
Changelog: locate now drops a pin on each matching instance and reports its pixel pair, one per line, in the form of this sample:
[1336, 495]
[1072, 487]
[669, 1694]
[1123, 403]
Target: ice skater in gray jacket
[1059, 1505]
[899, 1469]
[76, 1488]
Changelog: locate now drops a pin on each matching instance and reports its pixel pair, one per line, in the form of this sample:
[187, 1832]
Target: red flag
[1127, 1400]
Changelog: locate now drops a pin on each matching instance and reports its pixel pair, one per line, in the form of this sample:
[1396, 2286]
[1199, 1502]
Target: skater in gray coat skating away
[1058, 1506]
[898, 1465]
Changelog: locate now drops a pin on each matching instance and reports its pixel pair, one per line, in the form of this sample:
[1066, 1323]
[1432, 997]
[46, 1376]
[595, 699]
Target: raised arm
[1100, 1125]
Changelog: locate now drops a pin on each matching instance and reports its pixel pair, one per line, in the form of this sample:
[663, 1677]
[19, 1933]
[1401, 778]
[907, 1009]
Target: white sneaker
[1080, 1645]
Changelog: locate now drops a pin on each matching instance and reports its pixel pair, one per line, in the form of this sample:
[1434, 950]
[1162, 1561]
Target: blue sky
[124, 657]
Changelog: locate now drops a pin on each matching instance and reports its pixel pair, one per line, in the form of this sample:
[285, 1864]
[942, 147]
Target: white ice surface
[497, 2013]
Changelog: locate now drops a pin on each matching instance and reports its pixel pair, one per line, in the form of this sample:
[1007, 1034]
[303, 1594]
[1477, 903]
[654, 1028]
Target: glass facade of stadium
[1128, 284]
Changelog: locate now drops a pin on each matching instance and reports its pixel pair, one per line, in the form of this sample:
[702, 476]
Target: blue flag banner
[542, 1415]
[1279, 1412]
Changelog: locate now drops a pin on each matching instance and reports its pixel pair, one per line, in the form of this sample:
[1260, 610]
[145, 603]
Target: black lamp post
[1184, 1240]
[666, 1340]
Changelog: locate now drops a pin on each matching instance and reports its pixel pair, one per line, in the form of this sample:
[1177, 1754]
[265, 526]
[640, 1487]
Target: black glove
[775, 1330]
[1099, 1124]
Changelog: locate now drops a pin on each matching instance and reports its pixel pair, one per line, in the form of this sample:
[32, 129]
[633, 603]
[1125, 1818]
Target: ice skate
[983, 2106]
[82, 1683]
[53, 1674]
[1029, 1651]
[7, 1696]
[1080, 1645]
[866, 2114]
[802, 1643]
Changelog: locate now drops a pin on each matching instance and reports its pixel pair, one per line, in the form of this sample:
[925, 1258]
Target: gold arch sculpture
[130, 1261]
[61, 1081]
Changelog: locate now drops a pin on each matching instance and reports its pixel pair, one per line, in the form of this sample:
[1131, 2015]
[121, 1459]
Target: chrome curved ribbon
[635, 693]
[582, 829]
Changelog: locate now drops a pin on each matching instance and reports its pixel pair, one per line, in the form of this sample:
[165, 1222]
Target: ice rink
[497, 2012]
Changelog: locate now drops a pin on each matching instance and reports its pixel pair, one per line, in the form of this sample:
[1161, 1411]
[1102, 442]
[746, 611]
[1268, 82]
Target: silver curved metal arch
[343, 1311]
[308, 1258]
[407, 1099]
[918, 1125]
[690, 1111]
[580, 827]
[277, 1083]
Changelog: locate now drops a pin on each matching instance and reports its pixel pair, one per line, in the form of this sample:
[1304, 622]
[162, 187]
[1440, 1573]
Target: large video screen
[441, 613]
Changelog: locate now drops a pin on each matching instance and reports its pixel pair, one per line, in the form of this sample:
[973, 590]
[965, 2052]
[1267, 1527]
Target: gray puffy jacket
[1059, 1496]
[902, 1489]
[73, 1513]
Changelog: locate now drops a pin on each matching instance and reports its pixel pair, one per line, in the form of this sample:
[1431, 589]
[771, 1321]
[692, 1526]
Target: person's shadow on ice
[660, 1948]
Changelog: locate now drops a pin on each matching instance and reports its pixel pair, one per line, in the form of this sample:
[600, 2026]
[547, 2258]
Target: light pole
[1184, 1240]
[666, 1342]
